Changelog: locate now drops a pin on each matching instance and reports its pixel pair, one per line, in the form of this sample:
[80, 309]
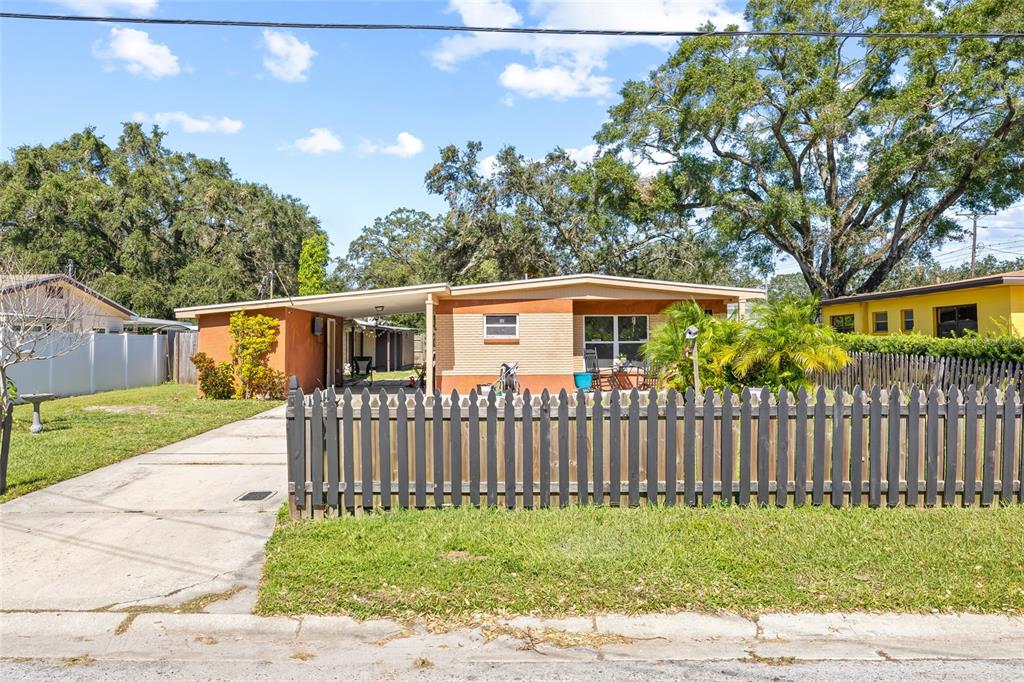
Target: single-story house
[542, 324]
[50, 294]
[979, 304]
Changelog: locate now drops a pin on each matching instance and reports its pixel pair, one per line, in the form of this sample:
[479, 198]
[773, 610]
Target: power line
[960, 255]
[500, 29]
[974, 235]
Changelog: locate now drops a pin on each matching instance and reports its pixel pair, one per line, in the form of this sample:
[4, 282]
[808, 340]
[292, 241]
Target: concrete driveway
[160, 528]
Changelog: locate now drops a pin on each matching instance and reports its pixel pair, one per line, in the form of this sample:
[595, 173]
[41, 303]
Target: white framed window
[501, 326]
[615, 335]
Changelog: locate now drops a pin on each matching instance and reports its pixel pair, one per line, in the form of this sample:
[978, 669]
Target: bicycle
[508, 379]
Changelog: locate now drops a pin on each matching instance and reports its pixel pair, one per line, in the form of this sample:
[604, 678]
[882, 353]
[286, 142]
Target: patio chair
[645, 378]
[591, 364]
[362, 368]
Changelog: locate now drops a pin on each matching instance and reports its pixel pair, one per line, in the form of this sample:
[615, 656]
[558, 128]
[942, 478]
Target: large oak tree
[148, 226]
[849, 155]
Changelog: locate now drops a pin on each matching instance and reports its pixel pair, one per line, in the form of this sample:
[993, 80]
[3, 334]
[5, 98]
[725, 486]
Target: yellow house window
[881, 321]
[956, 320]
[907, 317]
[842, 323]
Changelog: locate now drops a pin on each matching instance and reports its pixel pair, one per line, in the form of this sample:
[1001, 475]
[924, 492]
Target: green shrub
[986, 348]
[216, 381]
[781, 345]
[668, 349]
[254, 338]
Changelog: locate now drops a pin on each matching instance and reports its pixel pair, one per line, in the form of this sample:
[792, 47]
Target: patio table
[625, 378]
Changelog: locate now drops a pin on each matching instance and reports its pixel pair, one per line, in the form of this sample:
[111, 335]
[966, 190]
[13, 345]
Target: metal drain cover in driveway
[255, 496]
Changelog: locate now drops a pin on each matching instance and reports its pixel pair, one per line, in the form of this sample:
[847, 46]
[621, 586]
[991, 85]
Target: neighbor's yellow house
[948, 309]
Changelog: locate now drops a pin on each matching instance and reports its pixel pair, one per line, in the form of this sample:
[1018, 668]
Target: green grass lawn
[452, 565]
[397, 374]
[87, 432]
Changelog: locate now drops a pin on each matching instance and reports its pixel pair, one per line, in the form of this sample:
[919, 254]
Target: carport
[310, 342]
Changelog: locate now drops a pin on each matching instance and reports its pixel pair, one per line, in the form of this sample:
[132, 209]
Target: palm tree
[668, 349]
[785, 346]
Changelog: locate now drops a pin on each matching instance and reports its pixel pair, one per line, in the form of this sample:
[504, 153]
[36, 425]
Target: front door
[332, 353]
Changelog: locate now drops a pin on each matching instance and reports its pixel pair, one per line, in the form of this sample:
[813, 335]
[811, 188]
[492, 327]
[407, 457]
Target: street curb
[667, 637]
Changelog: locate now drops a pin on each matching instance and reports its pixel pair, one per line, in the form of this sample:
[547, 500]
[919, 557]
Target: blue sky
[348, 122]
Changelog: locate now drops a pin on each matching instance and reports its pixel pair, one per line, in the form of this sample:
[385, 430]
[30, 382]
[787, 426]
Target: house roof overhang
[1016, 277]
[18, 283]
[412, 299]
[347, 304]
[605, 286]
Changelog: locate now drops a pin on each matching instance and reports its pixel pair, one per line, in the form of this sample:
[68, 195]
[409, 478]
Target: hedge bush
[988, 348]
[216, 381]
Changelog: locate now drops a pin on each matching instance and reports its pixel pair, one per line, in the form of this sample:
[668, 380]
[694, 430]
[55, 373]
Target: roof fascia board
[602, 280]
[302, 301]
[72, 282]
[929, 289]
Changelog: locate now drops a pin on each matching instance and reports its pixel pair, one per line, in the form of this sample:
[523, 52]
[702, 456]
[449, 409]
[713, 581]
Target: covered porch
[363, 335]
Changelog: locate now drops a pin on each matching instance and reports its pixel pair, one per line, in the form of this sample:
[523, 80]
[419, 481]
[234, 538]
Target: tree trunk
[6, 425]
[5, 443]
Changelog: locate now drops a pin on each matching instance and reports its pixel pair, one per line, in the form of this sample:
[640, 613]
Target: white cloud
[583, 155]
[487, 166]
[138, 8]
[406, 145]
[289, 58]
[556, 82]
[191, 124]
[319, 141]
[139, 54]
[569, 66]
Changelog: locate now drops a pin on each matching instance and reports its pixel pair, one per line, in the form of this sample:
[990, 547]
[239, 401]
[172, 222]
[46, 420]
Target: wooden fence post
[402, 447]
[707, 460]
[598, 425]
[296, 437]
[892, 476]
[455, 448]
[582, 450]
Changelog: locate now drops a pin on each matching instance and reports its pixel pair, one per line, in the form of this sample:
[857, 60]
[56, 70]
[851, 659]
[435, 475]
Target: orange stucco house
[543, 324]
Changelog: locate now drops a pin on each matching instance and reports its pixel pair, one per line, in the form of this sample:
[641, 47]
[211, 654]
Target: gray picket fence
[904, 371]
[366, 451]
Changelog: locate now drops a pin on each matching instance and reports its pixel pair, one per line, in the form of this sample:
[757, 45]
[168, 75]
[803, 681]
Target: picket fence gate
[904, 371]
[823, 447]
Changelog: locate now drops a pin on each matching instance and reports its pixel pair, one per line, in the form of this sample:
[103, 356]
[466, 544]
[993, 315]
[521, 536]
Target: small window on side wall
[842, 323]
[907, 317]
[501, 326]
[881, 321]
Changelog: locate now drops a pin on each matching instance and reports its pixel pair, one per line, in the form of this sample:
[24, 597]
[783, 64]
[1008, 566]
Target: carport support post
[428, 351]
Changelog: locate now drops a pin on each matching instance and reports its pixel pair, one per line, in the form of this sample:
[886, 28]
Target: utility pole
[974, 237]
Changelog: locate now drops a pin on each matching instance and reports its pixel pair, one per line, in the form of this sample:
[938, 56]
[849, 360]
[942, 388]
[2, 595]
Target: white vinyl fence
[104, 362]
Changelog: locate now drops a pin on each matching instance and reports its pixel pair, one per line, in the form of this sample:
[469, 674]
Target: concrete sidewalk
[520, 647]
[160, 528]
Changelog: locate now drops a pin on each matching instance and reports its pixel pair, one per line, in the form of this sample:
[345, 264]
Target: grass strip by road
[88, 432]
[454, 565]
